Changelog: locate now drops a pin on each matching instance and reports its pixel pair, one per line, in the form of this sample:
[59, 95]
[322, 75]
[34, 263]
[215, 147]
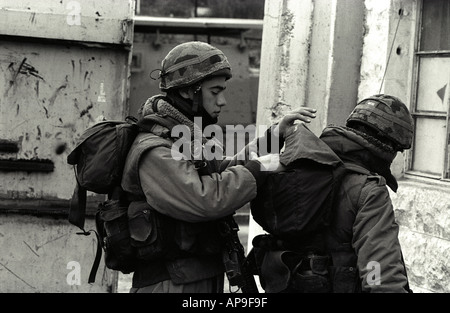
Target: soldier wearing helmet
[178, 202]
[357, 249]
[366, 252]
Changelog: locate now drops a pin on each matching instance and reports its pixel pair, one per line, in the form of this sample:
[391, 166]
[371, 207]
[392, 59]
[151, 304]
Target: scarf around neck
[158, 105]
[352, 146]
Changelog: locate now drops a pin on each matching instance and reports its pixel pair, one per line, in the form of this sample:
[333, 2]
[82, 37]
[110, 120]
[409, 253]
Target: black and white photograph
[230, 153]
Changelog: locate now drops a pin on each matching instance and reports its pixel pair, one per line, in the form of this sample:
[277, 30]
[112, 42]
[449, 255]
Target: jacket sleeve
[175, 188]
[376, 243]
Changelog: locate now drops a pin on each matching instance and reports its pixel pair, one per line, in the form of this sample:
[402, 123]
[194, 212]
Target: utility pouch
[145, 233]
[112, 226]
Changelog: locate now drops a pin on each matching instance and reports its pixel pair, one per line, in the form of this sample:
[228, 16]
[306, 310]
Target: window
[431, 151]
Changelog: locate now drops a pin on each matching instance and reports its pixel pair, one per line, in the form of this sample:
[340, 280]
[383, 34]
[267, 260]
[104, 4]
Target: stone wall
[422, 211]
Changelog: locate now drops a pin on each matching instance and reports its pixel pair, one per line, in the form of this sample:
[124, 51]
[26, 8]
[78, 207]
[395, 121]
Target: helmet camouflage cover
[191, 62]
[388, 115]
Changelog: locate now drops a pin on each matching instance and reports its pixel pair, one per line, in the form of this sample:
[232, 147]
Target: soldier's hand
[269, 162]
[305, 114]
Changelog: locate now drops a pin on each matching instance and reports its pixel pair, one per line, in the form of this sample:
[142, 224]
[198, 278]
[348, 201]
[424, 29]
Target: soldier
[378, 128]
[359, 251]
[179, 201]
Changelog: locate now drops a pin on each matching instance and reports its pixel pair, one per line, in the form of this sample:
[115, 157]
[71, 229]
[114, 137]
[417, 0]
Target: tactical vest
[159, 238]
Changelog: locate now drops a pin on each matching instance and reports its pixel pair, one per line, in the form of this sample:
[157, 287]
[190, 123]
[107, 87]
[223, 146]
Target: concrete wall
[331, 35]
[284, 58]
[422, 211]
[315, 61]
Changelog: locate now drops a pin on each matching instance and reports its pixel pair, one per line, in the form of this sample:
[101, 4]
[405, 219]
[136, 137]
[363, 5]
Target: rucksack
[98, 159]
[298, 201]
[294, 206]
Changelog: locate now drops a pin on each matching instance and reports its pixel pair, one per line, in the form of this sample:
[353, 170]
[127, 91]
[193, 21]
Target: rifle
[237, 267]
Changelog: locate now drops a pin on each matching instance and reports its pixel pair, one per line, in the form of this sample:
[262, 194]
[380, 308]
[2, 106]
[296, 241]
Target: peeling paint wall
[53, 88]
[82, 20]
[63, 66]
[45, 111]
[334, 60]
[315, 61]
[284, 58]
[44, 257]
[375, 51]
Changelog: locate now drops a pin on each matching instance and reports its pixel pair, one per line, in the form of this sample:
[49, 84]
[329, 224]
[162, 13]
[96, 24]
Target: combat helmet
[191, 62]
[388, 115]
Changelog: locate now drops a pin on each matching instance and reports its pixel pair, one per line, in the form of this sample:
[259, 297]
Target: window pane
[435, 25]
[429, 146]
[434, 75]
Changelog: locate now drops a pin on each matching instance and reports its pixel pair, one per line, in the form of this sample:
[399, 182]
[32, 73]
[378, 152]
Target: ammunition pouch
[156, 236]
[112, 227]
[148, 237]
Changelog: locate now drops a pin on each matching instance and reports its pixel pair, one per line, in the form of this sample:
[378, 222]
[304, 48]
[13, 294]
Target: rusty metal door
[63, 65]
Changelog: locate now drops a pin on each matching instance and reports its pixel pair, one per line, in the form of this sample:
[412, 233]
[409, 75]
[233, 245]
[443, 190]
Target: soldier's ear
[186, 93]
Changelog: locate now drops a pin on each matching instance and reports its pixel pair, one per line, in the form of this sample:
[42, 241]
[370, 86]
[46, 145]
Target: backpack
[294, 206]
[98, 159]
[298, 201]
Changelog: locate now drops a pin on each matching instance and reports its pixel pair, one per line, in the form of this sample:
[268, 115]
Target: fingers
[303, 114]
[311, 112]
[294, 117]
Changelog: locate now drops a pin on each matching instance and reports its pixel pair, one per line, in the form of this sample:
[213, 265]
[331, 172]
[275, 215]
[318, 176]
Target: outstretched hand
[305, 114]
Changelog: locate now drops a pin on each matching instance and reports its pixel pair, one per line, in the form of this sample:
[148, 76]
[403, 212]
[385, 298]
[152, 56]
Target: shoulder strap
[147, 123]
[357, 168]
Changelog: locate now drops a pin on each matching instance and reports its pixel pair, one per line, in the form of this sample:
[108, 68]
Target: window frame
[418, 56]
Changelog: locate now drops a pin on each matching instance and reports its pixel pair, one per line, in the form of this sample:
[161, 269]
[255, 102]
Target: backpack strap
[357, 168]
[98, 255]
[350, 167]
[77, 208]
[77, 214]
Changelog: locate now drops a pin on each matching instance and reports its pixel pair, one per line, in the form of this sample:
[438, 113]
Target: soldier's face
[213, 92]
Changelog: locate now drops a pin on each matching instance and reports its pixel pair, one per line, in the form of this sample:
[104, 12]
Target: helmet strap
[197, 101]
